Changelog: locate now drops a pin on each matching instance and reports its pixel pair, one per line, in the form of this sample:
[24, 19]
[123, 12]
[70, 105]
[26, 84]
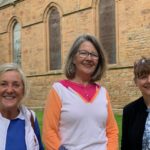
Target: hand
[62, 148]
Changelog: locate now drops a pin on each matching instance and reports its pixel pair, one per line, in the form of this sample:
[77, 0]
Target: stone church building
[37, 35]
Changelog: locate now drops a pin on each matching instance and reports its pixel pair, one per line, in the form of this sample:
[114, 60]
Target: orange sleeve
[111, 129]
[50, 132]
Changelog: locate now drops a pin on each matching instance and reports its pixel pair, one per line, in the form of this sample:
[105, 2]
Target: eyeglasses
[84, 54]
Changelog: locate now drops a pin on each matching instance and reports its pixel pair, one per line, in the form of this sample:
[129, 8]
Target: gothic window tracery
[54, 39]
[107, 28]
[16, 39]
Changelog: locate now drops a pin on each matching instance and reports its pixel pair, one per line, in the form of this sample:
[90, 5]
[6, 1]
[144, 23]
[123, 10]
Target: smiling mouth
[147, 85]
[88, 64]
[8, 97]
[147, 88]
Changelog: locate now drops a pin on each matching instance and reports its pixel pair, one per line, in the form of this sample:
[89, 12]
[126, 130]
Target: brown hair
[141, 67]
[70, 68]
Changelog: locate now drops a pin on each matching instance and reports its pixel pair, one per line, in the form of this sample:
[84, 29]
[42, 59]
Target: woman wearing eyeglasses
[78, 114]
[136, 115]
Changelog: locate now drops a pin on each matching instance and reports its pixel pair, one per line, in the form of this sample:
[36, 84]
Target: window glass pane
[107, 28]
[17, 44]
[55, 40]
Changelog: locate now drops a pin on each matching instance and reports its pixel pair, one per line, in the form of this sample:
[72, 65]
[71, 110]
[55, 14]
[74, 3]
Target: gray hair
[14, 67]
[70, 68]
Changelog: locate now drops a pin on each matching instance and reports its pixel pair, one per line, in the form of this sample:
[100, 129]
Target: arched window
[107, 28]
[16, 39]
[54, 39]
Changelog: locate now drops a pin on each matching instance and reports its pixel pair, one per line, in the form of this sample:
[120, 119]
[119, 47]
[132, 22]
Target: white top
[30, 137]
[85, 127]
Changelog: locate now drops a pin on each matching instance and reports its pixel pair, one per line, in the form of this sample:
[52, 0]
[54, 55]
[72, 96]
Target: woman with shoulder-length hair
[19, 129]
[78, 114]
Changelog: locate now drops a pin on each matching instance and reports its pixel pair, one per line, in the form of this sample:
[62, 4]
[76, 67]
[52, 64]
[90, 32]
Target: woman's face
[11, 90]
[86, 59]
[143, 83]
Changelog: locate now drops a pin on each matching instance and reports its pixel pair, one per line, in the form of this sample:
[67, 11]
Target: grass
[39, 115]
[119, 122]
[117, 117]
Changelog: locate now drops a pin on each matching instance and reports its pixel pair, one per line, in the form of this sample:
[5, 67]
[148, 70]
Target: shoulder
[32, 114]
[103, 89]
[135, 105]
[27, 112]
[56, 84]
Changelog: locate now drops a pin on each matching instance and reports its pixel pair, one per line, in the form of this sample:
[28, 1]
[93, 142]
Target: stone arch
[53, 52]
[14, 30]
[107, 31]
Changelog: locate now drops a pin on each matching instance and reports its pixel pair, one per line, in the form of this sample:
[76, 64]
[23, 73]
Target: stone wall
[77, 17]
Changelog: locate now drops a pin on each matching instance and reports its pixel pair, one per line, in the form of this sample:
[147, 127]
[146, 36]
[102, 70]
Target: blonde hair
[14, 67]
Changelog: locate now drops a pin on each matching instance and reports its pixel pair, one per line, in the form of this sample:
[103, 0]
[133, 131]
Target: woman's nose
[89, 56]
[10, 89]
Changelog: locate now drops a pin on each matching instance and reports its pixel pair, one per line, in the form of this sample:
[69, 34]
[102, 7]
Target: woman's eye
[83, 53]
[143, 77]
[95, 55]
[16, 85]
[3, 84]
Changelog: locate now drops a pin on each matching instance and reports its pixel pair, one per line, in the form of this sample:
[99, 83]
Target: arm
[51, 119]
[37, 132]
[111, 129]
